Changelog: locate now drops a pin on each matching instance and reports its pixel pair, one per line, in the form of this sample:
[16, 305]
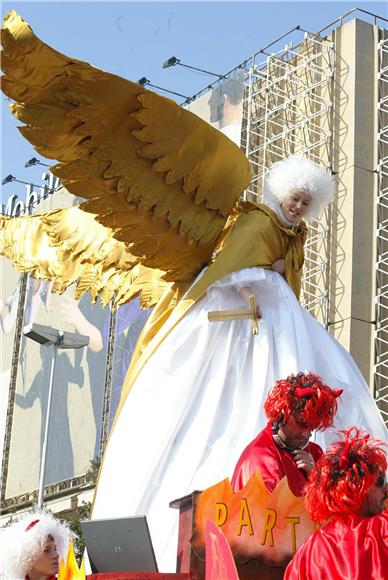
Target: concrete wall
[353, 220]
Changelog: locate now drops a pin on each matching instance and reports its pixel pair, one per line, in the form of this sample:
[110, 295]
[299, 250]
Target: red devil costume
[311, 404]
[348, 488]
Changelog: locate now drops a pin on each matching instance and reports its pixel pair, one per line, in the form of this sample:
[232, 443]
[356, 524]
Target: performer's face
[374, 502]
[295, 205]
[46, 564]
[293, 434]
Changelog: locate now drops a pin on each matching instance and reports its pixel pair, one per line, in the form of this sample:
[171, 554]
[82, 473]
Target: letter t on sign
[293, 521]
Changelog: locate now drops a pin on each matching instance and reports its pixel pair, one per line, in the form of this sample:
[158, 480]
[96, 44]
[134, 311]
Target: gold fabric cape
[253, 237]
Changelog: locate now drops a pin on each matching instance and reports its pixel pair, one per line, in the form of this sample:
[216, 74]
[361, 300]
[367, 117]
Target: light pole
[48, 336]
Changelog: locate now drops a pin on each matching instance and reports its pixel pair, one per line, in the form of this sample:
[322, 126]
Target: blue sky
[133, 39]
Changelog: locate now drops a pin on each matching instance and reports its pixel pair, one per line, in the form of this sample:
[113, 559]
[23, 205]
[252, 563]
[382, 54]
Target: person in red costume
[295, 407]
[32, 546]
[347, 489]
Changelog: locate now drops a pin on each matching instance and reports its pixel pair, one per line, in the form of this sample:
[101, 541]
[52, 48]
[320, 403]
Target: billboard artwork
[129, 324]
[222, 106]
[9, 303]
[78, 392]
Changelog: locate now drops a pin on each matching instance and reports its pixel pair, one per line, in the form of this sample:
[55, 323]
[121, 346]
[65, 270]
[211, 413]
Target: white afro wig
[295, 173]
[23, 540]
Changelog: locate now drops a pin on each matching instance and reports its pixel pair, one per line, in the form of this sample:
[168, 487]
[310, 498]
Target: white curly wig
[24, 540]
[295, 173]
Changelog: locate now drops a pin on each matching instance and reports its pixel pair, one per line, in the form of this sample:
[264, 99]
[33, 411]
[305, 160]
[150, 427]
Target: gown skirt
[198, 401]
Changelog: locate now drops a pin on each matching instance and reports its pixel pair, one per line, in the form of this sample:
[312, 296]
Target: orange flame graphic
[256, 523]
[70, 570]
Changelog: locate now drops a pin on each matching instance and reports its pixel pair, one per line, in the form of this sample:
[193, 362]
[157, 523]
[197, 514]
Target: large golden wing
[162, 179]
[69, 246]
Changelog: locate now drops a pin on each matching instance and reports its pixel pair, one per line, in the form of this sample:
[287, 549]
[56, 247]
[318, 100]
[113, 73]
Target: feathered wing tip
[343, 475]
[295, 173]
[23, 540]
[70, 247]
[160, 178]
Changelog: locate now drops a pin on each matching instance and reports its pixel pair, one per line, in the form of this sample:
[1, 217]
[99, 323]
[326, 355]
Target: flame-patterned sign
[257, 524]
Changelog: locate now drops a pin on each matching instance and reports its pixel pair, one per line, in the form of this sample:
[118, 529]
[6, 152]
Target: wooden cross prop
[246, 313]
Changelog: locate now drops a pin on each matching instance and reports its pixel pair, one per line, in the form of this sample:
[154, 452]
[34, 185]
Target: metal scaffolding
[288, 110]
[381, 331]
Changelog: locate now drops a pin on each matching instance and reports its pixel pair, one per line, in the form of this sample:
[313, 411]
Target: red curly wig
[342, 476]
[305, 396]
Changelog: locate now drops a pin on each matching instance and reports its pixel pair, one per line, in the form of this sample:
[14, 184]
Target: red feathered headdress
[304, 396]
[342, 476]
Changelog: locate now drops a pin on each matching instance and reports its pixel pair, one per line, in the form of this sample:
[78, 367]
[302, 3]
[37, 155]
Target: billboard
[78, 392]
[130, 320]
[9, 303]
[222, 106]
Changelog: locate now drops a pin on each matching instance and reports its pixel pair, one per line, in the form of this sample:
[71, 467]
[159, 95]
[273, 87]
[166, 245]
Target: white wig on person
[23, 540]
[293, 174]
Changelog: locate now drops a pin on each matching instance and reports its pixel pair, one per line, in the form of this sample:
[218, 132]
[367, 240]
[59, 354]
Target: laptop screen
[119, 545]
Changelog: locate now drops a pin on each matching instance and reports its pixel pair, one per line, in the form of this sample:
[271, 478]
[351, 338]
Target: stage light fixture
[173, 61]
[146, 82]
[31, 162]
[8, 179]
[34, 161]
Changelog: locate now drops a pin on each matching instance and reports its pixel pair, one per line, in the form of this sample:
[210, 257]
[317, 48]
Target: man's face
[293, 434]
[374, 502]
[47, 562]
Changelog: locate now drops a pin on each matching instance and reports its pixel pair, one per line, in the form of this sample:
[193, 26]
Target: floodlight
[8, 179]
[34, 161]
[172, 61]
[144, 81]
[52, 336]
[11, 178]
[42, 334]
[31, 162]
[73, 340]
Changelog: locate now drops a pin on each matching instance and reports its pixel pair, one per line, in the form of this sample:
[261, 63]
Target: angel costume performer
[161, 220]
[198, 400]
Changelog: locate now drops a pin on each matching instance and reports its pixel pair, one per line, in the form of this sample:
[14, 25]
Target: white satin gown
[199, 401]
